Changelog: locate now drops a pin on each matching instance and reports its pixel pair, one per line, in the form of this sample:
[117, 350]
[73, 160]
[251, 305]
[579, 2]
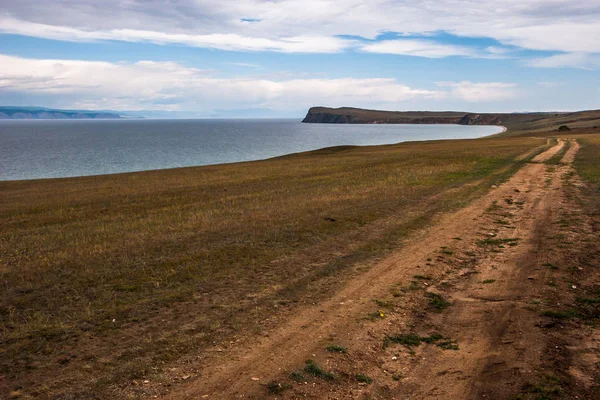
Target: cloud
[431, 49]
[419, 48]
[571, 60]
[245, 65]
[481, 91]
[311, 25]
[222, 41]
[166, 85]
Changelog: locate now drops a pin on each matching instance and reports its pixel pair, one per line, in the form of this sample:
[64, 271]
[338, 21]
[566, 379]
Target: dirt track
[484, 259]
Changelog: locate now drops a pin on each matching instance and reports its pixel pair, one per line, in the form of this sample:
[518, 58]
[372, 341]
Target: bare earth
[491, 261]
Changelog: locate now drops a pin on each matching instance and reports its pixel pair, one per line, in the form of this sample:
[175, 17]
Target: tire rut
[489, 321]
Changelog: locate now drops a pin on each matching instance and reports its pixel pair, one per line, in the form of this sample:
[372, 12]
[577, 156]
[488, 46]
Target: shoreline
[136, 171]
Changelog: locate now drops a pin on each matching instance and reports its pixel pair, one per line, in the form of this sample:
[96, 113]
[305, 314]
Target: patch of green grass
[552, 282]
[432, 338]
[312, 368]
[337, 349]
[364, 379]
[423, 277]
[488, 242]
[413, 340]
[297, 376]
[486, 281]
[383, 303]
[438, 302]
[588, 308]
[407, 339]
[550, 266]
[587, 162]
[587, 300]
[549, 387]
[448, 344]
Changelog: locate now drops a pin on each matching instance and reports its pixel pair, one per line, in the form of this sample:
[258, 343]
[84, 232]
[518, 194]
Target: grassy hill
[515, 122]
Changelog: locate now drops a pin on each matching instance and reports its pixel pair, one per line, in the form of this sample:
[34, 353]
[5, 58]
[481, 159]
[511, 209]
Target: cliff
[346, 115]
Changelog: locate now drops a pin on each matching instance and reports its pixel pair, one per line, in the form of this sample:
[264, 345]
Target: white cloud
[572, 60]
[166, 85]
[431, 49]
[418, 47]
[222, 41]
[481, 91]
[310, 25]
[245, 65]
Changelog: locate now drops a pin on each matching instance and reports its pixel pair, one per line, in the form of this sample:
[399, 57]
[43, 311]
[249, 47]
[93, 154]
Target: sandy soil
[486, 260]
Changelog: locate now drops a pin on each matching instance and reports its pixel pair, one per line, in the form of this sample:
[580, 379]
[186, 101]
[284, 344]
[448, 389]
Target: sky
[277, 58]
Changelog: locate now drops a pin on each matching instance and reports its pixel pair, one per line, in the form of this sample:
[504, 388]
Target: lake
[32, 149]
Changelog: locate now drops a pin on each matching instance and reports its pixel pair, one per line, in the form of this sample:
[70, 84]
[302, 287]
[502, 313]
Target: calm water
[52, 149]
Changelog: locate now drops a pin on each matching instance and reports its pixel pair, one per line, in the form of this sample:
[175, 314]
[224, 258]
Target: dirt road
[452, 315]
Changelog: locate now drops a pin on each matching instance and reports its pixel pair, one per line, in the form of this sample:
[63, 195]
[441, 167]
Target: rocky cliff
[347, 115]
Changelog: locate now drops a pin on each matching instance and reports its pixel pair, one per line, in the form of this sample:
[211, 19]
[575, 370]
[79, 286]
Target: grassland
[587, 162]
[114, 279]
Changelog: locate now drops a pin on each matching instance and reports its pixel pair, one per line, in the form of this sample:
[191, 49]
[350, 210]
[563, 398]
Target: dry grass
[587, 161]
[113, 278]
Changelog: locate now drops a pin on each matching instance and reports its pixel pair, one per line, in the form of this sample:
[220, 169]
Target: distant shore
[515, 123]
[35, 113]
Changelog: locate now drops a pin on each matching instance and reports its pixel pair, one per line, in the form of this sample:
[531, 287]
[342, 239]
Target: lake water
[55, 148]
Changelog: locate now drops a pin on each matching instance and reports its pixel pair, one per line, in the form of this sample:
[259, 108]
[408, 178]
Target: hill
[515, 122]
[49, 113]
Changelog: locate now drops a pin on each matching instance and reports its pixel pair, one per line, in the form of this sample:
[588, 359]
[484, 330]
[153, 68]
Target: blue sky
[277, 58]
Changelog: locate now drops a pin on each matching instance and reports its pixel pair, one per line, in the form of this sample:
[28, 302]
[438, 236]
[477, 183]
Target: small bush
[407, 339]
[564, 128]
[437, 302]
[432, 338]
[410, 339]
[448, 344]
[314, 369]
[297, 376]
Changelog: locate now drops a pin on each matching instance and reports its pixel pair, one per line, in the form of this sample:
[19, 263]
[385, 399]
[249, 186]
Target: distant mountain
[7, 112]
[212, 114]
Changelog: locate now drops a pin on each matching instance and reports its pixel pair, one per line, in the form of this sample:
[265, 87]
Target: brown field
[184, 281]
